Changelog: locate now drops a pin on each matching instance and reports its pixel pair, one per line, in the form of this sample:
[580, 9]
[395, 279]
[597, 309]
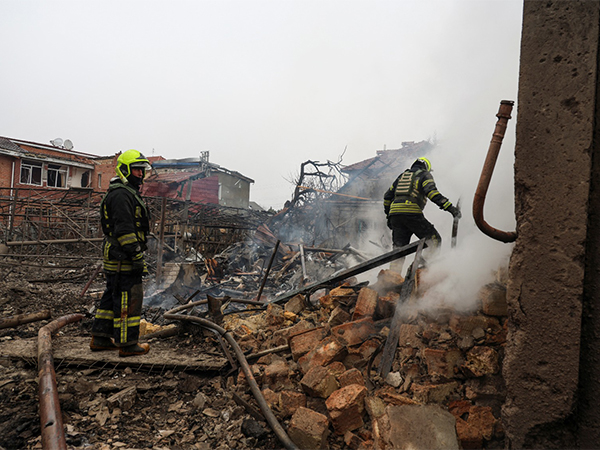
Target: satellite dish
[68, 144]
[58, 142]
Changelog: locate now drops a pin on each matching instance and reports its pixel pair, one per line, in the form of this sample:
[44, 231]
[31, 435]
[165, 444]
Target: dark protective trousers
[405, 225]
[119, 312]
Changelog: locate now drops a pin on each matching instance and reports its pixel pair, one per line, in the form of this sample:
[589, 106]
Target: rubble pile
[326, 390]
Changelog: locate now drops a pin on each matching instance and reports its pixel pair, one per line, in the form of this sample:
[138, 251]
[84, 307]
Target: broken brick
[365, 304]
[277, 374]
[290, 401]
[433, 393]
[338, 316]
[351, 376]
[325, 352]
[482, 418]
[386, 306]
[468, 435]
[336, 368]
[464, 325]
[319, 382]
[271, 397]
[295, 305]
[309, 429]
[354, 333]
[302, 343]
[441, 362]
[274, 315]
[481, 361]
[493, 299]
[345, 408]
[409, 336]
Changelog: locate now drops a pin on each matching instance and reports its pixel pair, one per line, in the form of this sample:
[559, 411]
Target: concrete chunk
[416, 427]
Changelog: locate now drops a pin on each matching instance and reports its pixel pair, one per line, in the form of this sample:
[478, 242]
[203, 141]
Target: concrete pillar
[556, 139]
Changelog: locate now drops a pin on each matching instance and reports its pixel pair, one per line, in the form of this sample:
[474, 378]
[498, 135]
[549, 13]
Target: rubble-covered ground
[320, 379]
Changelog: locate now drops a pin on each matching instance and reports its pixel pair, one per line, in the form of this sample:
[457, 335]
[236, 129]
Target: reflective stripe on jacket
[409, 192]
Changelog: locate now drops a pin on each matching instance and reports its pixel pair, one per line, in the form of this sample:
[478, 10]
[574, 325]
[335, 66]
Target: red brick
[319, 382]
[354, 333]
[482, 418]
[336, 368]
[271, 397]
[296, 304]
[464, 325]
[441, 362]
[386, 306]
[358, 357]
[309, 429]
[290, 401]
[345, 408]
[277, 374]
[301, 344]
[387, 280]
[408, 336]
[433, 393]
[325, 352]
[338, 316]
[352, 376]
[274, 315]
[365, 304]
[493, 300]
[481, 361]
[468, 435]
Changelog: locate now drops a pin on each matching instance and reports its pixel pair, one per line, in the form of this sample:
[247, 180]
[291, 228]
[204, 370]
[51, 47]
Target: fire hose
[486, 175]
[262, 403]
[53, 433]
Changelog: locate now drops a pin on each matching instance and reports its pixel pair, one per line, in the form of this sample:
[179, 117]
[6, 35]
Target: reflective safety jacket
[408, 194]
[125, 223]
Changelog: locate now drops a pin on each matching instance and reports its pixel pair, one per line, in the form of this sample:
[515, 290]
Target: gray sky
[266, 85]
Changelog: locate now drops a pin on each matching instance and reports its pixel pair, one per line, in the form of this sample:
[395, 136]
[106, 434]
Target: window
[99, 180]
[31, 173]
[57, 176]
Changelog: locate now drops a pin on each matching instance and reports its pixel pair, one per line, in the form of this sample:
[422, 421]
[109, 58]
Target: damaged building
[280, 344]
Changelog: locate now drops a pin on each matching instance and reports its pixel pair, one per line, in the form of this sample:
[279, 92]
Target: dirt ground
[164, 408]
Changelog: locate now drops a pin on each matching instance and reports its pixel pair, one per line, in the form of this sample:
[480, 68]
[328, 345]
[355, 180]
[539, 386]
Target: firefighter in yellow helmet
[403, 205]
[125, 223]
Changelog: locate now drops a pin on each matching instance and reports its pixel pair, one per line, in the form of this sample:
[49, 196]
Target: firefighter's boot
[99, 343]
[134, 350]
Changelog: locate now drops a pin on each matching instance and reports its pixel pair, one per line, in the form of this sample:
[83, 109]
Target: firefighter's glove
[389, 223]
[454, 211]
[138, 265]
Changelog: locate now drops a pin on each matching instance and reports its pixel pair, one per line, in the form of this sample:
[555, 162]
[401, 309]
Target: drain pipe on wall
[486, 175]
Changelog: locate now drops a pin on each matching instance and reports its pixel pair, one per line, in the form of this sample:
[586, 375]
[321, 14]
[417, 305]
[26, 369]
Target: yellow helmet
[128, 160]
[426, 162]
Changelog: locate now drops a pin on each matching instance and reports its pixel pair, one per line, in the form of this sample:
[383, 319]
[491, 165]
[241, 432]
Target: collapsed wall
[550, 284]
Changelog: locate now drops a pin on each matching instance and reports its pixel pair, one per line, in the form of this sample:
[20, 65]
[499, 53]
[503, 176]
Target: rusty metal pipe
[260, 399]
[486, 175]
[53, 432]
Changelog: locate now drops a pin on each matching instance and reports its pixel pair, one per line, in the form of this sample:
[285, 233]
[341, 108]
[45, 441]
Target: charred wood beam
[389, 351]
[353, 271]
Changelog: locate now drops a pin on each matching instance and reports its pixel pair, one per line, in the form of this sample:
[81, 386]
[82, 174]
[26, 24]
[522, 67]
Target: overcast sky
[265, 85]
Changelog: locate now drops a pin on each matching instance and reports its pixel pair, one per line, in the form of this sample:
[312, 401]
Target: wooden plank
[75, 351]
